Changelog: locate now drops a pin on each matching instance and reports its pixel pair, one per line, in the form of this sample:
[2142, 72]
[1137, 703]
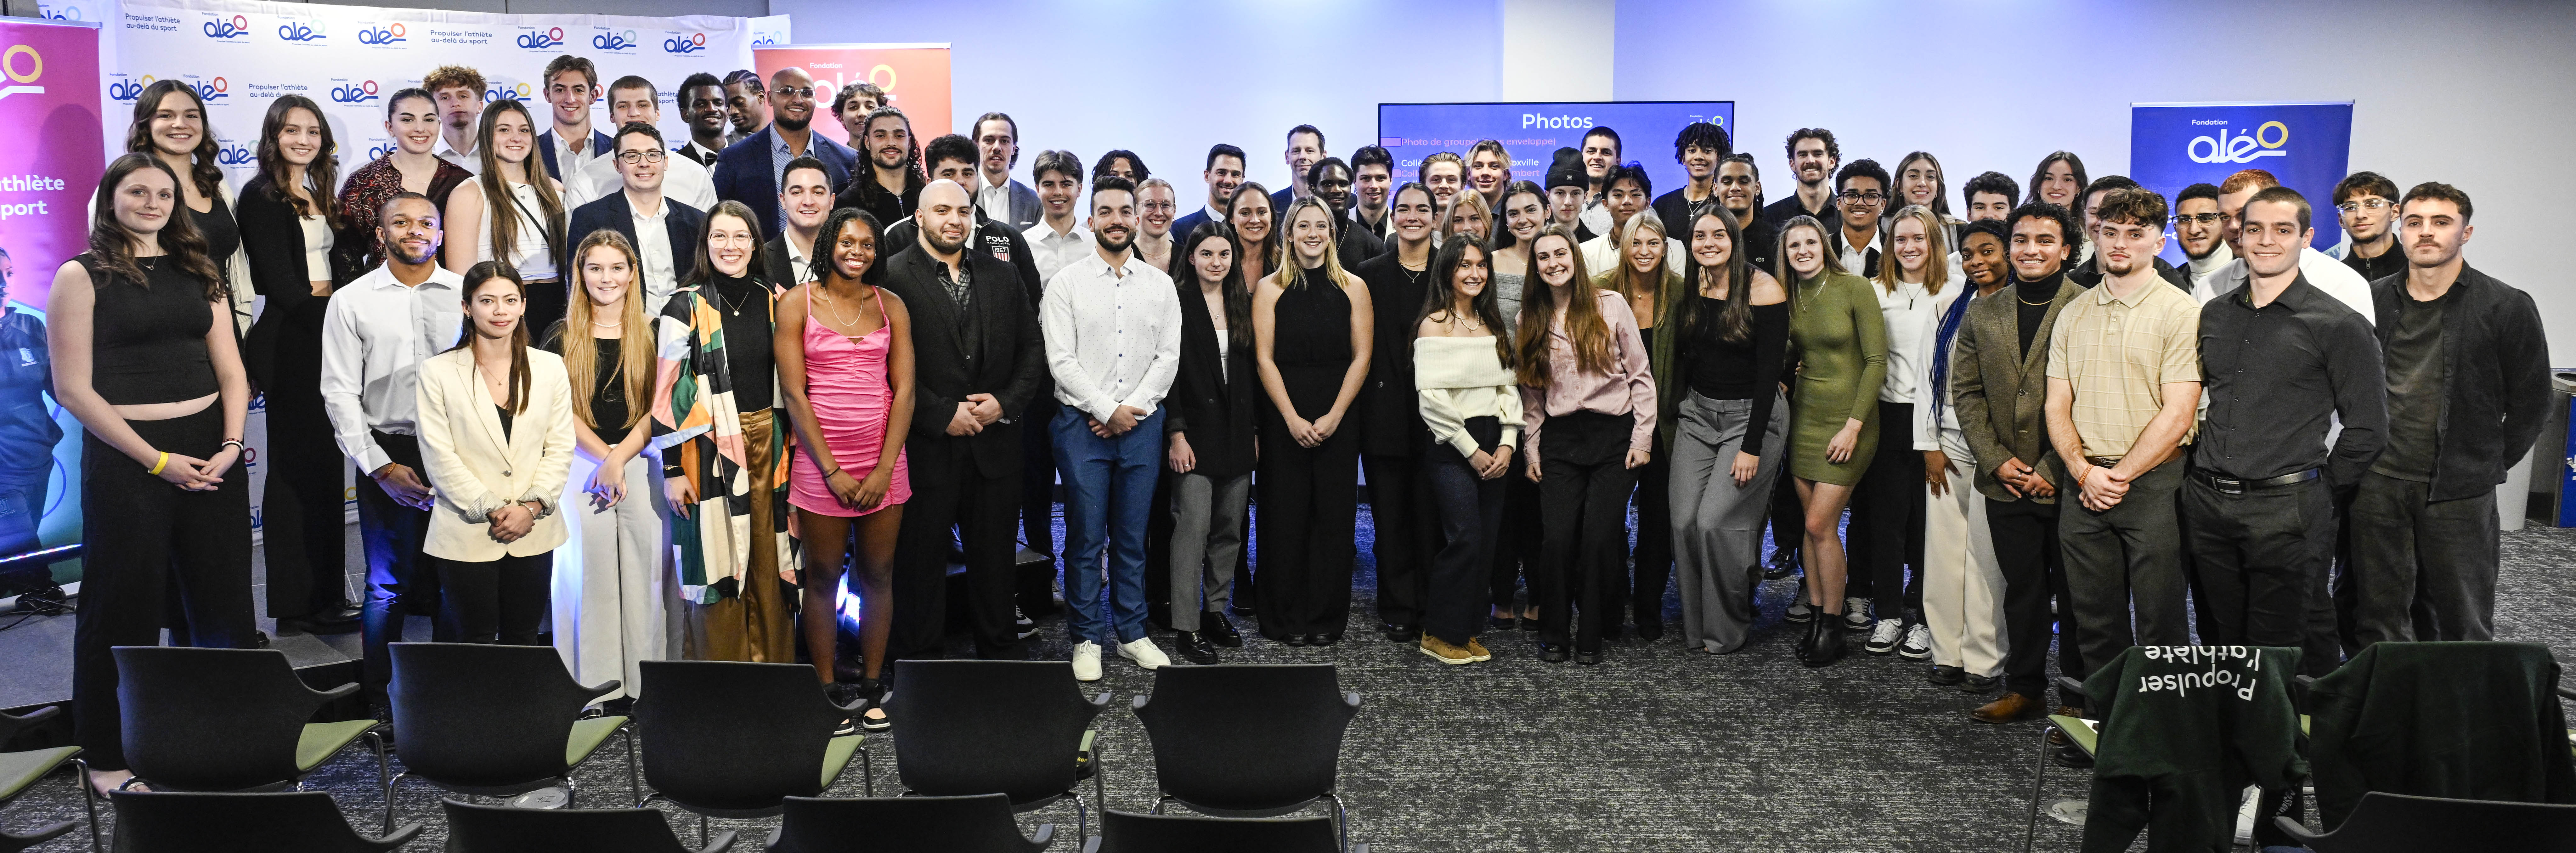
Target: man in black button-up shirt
[2280, 359]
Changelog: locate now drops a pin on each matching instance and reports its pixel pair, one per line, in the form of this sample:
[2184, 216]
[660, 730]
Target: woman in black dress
[143, 357]
[291, 207]
[1311, 324]
[175, 131]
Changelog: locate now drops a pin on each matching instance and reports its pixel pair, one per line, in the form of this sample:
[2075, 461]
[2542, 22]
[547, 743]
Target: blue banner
[1531, 132]
[2306, 145]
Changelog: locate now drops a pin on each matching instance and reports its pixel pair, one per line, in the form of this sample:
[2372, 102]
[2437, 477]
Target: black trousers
[1309, 517]
[2124, 567]
[2258, 556]
[147, 544]
[1037, 479]
[950, 492]
[2427, 568]
[500, 601]
[1517, 545]
[1886, 534]
[1653, 556]
[1583, 494]
[1470, 510]
[306, 539]
[401, 581]
[1407, 520]
[547, 300]
[2025, 536]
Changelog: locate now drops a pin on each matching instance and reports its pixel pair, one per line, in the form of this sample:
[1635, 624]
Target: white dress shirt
[995, 200]
[653, 244]
[569, 161]
[375, 334]
[1113, 335]
[683, 181]
[1054, 251]
[797, 262]
[470, 161]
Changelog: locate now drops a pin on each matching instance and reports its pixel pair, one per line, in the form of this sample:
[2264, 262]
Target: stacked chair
[20, 771]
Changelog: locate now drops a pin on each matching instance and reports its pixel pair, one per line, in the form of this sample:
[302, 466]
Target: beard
[793, 124]
[1126, 239]
[939, 241]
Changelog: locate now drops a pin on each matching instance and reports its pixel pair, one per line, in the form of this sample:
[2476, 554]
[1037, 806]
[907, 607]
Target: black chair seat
[495, 721]
[977, 824]
[1021, 728]
[494, 829]
[1245, 740]
[2399, 823]
[1128, 832]
[297, 821]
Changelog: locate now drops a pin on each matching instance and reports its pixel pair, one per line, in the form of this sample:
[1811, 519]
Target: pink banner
[49, 102]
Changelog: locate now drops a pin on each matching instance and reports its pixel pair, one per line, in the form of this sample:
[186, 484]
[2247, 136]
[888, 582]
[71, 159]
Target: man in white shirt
[375, 334]
[1000, 198]
[634, 99]
[663, 230]
[1629, 192]
[1057, 239]
[2323, 270]
[458, 90]
[1862, 188]
[572, 85]
[1113, 342]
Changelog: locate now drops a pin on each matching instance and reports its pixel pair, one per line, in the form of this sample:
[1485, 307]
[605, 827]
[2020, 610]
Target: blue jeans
[1108, 496]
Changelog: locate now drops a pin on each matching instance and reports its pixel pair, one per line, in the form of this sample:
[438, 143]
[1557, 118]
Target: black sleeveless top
[148, 344]
[1312, 347]
[223, 235]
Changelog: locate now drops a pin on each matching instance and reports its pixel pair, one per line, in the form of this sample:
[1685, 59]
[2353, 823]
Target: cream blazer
[474, 470]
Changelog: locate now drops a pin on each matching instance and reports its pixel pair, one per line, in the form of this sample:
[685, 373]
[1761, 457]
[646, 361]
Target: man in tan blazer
[2000, 384]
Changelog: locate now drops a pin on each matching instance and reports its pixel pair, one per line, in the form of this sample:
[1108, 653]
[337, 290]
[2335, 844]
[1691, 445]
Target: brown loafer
[2057, 737]
[2011, 708]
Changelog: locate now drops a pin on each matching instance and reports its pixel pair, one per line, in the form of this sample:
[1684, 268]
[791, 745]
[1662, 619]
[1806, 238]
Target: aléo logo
[379, 152]
[690, 43]
[211, 91]
[613, 41]
[506, 92]
[544, 39]
[229, 154]
[65, 13]
[302, 31]
[233, 28]
[381, 36]
[128, 90]
[359, 92]
[2245, 148]
[13, 78]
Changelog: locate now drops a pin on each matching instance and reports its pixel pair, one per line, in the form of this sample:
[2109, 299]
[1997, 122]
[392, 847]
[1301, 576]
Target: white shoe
[1086, 661]
[1027, 627]
[1856, 614]
[1918, 642]
[1800, 612]
[1143, 652]
[1883, 636]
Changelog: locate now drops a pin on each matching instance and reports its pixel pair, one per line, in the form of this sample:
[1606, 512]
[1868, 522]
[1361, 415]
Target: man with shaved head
[751, 171]
[978, 362]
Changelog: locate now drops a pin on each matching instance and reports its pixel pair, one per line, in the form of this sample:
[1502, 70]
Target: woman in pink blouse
[1588, 411]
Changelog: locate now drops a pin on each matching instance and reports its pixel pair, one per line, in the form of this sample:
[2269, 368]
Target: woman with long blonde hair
[1649, 281]
[609, 607]
[1888, 506]
[1312, 325]
[1588, 424]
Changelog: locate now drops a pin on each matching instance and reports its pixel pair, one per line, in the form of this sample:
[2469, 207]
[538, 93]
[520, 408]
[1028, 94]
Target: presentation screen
[1532, 132]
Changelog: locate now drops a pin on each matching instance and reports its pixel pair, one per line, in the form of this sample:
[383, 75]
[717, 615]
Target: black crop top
[148, 344]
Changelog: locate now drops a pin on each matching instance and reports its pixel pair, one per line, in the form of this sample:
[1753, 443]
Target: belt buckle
[2226, 486]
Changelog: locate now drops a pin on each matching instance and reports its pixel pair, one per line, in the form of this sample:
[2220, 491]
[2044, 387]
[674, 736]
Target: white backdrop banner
[240, 55]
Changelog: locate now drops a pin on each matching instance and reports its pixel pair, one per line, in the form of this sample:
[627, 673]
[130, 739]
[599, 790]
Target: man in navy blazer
[1224, 172]
[747, 171]
[667, 257]
[572, 85]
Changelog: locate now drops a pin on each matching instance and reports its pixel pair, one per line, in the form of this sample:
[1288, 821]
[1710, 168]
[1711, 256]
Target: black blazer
[277, 272]
[683, 225]
[1390, 408]
[780, 268]
[1212, 400]
[1004, 355]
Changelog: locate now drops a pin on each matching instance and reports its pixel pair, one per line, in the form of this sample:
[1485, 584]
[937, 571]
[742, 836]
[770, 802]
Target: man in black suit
[953, 157]
[667, 254]
[1224, 172]
[978, 363]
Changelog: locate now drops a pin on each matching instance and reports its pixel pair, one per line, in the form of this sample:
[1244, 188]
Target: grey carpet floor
[1658, 749]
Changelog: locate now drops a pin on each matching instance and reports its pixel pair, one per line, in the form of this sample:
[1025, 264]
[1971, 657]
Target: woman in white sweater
[1462, 371]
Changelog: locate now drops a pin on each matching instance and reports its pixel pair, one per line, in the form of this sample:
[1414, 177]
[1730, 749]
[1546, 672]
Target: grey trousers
[1717, 525]
[2126, 561]
[2423, 569]
[1207, 540]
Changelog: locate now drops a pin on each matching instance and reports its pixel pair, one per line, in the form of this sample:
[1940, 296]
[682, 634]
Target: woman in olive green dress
[1839, 341]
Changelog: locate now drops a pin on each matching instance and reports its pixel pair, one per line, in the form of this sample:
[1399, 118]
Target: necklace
[618, 324]
[830, 316]
[2017, 298]
[731, 305]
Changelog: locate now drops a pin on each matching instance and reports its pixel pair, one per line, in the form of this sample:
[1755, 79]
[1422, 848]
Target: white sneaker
[1027, 627]
[1918, 642]
[1856, 614]
[1883, 636]
[1800, 612]
[1086, 661]
[1142, 651]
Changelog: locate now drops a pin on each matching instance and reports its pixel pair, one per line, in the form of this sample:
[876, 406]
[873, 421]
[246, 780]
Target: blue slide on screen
[1532, 132]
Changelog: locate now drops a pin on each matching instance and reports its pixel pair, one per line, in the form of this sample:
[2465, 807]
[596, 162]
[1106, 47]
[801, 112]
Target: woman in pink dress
[847, 373]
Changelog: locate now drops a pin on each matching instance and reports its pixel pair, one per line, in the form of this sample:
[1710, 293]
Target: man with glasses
[1813, 156]
[572, 83]
[1862, 189]
[2367, 202]
[663, 230]
[2197, 227]
[633, 99]
[751, 171]
[702, 105]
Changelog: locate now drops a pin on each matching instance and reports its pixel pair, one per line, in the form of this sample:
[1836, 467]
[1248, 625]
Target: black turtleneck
[747, 312]
[2042, 292]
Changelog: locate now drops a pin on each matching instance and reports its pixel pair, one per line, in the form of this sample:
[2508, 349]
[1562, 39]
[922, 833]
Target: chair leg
[89, 803]
[1098, 768]
[702, 832]
[634, 785]
[384, 781]
[1158, 804]
[1341, 821]
[2038, 776]
[867, 774]
[572, 792]
[1081, 820]
[389, 799]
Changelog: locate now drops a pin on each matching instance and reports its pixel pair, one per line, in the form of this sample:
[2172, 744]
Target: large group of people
[752, 362]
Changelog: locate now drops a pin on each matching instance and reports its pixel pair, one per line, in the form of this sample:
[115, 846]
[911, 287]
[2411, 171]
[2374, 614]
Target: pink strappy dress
[846, 381]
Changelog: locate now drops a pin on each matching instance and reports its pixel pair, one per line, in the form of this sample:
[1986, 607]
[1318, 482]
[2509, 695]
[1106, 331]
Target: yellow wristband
[164, 463]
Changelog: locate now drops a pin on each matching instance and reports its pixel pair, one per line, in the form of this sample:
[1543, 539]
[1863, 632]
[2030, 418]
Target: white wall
[1557, 50]
[1168, 78]
[2481, 95]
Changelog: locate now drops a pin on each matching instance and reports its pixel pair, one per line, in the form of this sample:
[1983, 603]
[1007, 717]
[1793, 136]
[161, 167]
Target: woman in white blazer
[496, 433]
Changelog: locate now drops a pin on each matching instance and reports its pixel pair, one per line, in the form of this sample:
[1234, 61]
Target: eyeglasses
[2199, 218]
[633, 157]
[803, 92]
[1858, 197]
[1164, 206]
[2372, 203]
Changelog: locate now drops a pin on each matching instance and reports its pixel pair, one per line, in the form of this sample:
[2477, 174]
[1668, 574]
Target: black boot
[1807, 641]
[1829, 640]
